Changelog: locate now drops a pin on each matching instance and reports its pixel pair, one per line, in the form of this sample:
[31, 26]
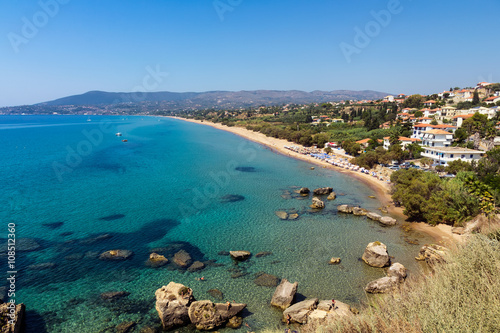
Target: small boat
[125, 140]
[118, 134]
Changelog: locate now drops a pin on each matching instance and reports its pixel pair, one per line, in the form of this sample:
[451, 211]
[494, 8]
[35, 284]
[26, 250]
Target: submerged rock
[376, 255]
[45, 265]
[267, 280]
[323, 191]
[232, 198]
[53, 225]
[112, 217]
[263, 254]
[216, 293]
[172, 304]
[182, 259]
[156, 260]
[125, 327]
[284, 294]
[206, 315]
[281, 214]
[234, 322]
[114, 295]
[22, 245]
[293, 216]
[116, 255]
[196, 266]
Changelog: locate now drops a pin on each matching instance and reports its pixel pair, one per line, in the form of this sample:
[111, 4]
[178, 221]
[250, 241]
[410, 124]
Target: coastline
[441, 234]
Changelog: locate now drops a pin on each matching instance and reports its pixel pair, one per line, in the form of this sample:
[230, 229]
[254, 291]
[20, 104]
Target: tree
[414, 101]
[475, 98]
[415, 150]
[418, 114]
[460, 135]
[434, 122]
[457, 166]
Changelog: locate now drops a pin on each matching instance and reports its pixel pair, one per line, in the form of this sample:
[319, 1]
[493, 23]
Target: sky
[56, 48]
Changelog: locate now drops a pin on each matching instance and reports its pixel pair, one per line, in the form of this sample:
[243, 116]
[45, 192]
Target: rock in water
[397, 270]
[232, 198]
[359, 211]
[382, 285]
[332, 196]
[263, 254]
[376, 255]
[323, 191]
[172, 304]
[235, 322]
[293, 216]
[216, 293]
[281, 214]
[317, 203]
[156, 260]
[182, 259]
[386, 220]
[299, 312]
[125, 327]
[284, 294]
[240, 255]
[334, 261]
[304, 190]
[114, 295]
[206, 315]
[373, 216]
[267, 280]
[116, 255]
[345, 209]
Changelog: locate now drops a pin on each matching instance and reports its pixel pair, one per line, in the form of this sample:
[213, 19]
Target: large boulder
[376, 255]
[116, 255]
[12, 322]
[182, 259]
[382, 285]
[373, 216]
[432, 254]
[387, 220]
[284, 294]
[206, 315]
[317, 203]
[156, 260]
[299, 312]
[325, 314]
[240, 255]
[172, 304]
[323, 191]
[304, 190]
[397, 270]
[345, 209]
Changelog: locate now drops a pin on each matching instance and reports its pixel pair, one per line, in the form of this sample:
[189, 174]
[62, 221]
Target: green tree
[414, 101]
[475, 98]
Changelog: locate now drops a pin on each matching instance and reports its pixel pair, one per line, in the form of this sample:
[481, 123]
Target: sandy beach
[441, 233]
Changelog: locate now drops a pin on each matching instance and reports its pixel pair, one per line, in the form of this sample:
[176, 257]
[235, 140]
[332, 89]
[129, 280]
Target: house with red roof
[459, 119]
[437, 138]
[404, 142]
[492, 100]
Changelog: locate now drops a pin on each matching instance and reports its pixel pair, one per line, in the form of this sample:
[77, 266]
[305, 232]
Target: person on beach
[333, 304]
[228, 304]
[288, 318]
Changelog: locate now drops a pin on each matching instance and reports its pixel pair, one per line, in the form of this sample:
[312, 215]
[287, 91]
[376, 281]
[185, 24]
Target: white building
[444, 155]
[404, 142]
[437, 138]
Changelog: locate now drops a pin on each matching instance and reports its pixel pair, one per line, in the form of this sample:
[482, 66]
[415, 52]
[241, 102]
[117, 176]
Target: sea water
[77, 189]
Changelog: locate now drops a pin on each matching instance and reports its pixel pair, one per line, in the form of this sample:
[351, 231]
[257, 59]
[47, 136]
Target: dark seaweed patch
[53, 225]
[245, 169]
[232, 198]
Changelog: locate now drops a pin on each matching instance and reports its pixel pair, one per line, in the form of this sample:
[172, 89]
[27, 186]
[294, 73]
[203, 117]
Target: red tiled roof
[464, 116]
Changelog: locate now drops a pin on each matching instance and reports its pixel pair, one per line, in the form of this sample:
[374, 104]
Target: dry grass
[461, 296]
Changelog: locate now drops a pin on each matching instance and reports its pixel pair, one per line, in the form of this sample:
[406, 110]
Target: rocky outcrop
[334, 261]
[172, 304]
[373, 216]
[387, 220]
[267, 280]
[317, 203]
[206, 315]
[182, 259]
[326, 313]
[304, 190]
[196, 266]
[397, 270]
[12, 322]
[156, 260]
[382, 285]
[432, 254]
[359, 211]
[323, 191]
[300, 311]
[240, 255]
[332, 196]
[284, 294]
[376, 255]
[116, 255]
[345, 209]
[281, 214]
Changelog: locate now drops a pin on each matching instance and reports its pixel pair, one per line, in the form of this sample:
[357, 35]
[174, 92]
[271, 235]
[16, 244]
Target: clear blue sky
[107, 45]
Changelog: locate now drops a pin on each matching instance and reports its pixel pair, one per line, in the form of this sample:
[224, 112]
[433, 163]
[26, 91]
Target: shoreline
[441, 234]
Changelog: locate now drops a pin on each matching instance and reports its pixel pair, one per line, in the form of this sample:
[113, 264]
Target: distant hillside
[216, 99]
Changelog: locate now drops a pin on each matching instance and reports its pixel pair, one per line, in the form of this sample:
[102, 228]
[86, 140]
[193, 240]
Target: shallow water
[173, 185]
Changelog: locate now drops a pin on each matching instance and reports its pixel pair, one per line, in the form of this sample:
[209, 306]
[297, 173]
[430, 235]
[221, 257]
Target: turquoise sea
[73, 186]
